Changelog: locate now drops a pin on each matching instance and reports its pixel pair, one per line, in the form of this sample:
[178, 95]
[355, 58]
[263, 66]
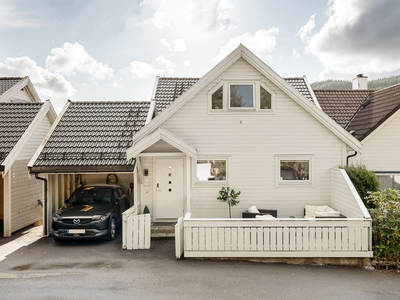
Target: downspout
[351, 155]
[44, 203]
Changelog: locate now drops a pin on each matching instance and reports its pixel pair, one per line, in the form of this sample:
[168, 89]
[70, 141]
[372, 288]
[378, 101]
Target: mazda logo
[77, 221]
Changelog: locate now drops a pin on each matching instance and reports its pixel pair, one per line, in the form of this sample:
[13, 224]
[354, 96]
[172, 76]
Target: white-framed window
[388, 180]
[241, 96]
[210, 170]
[294, 169]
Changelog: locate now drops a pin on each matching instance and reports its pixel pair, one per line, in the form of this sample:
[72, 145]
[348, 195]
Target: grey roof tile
[94, 134]
[8, 82]
[170, 88]
[14, 120]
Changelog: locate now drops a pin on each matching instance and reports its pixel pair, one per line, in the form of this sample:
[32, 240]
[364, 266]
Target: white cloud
[262, 43]
[141, 69]
[47, 84]
[305, 30]
[168, 65]
[72, 58]
[12, 16]
[186, 63]
[201, 15]
[359, 37]
[178, 45]
[114, 84]
[295, 54]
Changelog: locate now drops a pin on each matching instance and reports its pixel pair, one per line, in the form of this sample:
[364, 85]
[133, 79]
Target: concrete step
[161, 230]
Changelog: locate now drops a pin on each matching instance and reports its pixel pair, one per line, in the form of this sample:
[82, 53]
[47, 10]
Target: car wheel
[111, 230]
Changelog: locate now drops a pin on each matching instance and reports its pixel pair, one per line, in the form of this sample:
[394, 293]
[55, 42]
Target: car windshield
[92, 195]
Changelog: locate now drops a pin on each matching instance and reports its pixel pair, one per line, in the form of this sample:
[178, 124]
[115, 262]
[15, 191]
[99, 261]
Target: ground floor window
[296, 169]
[391, 181]
[211, 170]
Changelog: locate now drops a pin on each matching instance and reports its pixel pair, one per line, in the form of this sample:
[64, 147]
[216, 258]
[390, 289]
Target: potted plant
[229, 196]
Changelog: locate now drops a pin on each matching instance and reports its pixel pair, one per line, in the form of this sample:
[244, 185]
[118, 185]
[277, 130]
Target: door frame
[185, 184]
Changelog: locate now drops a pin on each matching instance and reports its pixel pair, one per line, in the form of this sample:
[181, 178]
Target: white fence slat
[351, 239]
[305, 233]
[357, 232]
[312, 238]
[338, 237]
[202, 239]
[234, 239]
[179, 238]
[364, 237]
[247, 238]
[129, 233]
[331, 238]
[267, 241]
[325, 239]
[286, 239]
[147, 241]
[208, 239]
[135, 241]
[279, 241]
[214, 238]
[240, 239]
[292, 239]
[260, 239]
[299, 238]
[253, 239]
[318, 238]
[188, 239]
[227, 239]
[345, 242]
[221, 239]
[141, 232]
[195, 238]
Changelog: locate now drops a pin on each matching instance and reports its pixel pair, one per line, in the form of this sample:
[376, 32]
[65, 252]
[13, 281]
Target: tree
[229, 196]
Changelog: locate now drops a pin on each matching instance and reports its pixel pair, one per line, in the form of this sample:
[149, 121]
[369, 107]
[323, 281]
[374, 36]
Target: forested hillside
[376, 84]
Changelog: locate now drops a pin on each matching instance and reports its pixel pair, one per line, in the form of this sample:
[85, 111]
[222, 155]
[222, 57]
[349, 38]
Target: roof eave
[81, 169]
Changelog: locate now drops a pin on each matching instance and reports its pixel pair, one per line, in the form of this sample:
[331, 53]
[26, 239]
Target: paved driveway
[102, 270]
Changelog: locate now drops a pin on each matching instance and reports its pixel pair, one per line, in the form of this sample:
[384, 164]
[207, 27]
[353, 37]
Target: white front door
[169, 188]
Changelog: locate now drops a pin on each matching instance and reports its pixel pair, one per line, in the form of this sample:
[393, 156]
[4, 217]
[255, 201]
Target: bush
[363, 180]
[385, 223]
[146, 210]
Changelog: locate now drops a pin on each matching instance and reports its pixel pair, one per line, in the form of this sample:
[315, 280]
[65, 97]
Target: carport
[87, 145]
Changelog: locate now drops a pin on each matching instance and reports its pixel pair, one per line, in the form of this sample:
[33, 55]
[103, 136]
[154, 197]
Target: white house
[25, 120]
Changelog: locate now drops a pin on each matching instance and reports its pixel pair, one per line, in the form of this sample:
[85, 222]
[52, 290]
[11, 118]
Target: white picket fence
[276, 237]
[179, 238]
[136, 229]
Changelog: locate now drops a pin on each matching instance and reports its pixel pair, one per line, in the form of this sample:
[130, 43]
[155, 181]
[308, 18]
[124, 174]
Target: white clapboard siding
[25, 192]
[277, 238]
[35, 139]
[20, 96]
[377, 157]
[250, 141]
[136, 229]
[344, 197]
[146, 196]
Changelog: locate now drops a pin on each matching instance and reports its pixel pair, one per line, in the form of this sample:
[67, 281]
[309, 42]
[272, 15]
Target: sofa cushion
[311, 209]
[253, 209]
[264, 217]
[327, 214]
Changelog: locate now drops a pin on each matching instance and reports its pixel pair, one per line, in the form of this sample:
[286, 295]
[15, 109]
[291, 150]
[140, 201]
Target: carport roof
[15, 119]
[92, 136]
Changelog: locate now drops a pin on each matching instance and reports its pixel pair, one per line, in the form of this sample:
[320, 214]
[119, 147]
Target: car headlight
[56, 218]
[103, 217]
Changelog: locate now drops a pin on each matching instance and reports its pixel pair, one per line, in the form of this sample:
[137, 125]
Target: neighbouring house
[244, 126]
[87, 145]
[25, 121]
[373, 117]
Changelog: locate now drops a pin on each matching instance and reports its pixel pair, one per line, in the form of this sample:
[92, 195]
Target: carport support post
[135, 186]
[7, 204]
[45, 203]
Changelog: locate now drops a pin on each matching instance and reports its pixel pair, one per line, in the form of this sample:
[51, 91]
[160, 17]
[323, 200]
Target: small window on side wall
[294, 170]
[211, 170]
[217, 99]
[265, 99]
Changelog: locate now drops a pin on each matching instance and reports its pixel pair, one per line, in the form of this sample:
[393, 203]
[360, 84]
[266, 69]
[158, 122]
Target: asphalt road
[102, 270]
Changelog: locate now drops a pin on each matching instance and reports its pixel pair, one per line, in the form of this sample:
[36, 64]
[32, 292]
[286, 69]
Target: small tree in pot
[229, 196]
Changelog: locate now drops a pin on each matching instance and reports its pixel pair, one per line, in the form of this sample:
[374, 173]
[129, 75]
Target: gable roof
[8, 82]
[243, 52]
[170, 88]
[341, 105]
[380, 106]
[11, 86]
[94, 134]
[15, 119]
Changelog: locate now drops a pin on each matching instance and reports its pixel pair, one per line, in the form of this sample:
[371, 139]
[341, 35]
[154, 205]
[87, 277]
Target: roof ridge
[386, 88]
[1, 78]
[109, 101]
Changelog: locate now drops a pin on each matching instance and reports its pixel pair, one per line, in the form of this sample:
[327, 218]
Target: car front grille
[82, 221]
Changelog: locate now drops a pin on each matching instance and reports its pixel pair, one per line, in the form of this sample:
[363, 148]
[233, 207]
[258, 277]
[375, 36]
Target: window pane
[208, 170]
[241, 95]
[265, 99]
[385, 181]
[216, 101]
[295, 170]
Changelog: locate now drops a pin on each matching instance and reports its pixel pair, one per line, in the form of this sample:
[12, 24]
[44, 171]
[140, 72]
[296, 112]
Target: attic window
[217, 99]
[265, 99]
[241, 96]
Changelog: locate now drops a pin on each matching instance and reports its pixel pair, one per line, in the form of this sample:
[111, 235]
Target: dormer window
[241, 96]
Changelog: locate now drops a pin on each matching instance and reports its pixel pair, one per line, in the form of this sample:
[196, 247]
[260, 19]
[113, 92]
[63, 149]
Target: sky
[113, 50]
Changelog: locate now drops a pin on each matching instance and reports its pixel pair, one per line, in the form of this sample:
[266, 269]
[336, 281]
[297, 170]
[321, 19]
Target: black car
[92, 211]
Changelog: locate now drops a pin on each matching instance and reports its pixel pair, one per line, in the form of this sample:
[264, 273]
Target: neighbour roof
[15, 119]
[94, 134]
[374, 111]
[8, 82]
[170, 88]
[341, 105]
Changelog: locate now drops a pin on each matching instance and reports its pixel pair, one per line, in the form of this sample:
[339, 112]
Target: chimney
[360, 82]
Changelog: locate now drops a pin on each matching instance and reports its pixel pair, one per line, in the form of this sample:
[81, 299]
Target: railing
[136, 229]
[277, 237]
[179, 238]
